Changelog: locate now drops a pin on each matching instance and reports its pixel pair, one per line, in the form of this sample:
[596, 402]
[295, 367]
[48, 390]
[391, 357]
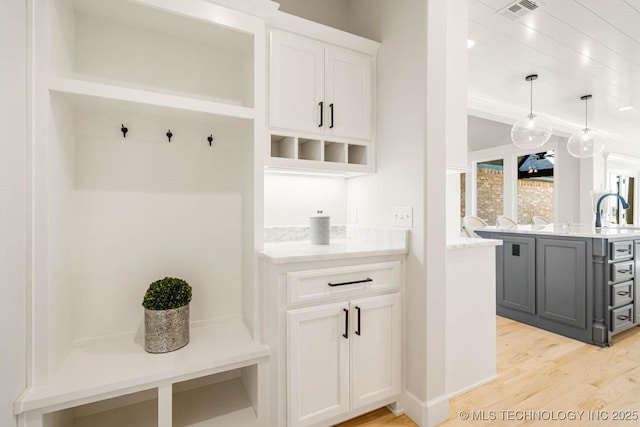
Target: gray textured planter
[166, 330]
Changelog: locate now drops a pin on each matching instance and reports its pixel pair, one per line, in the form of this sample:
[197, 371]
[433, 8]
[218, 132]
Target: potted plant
[166, 315]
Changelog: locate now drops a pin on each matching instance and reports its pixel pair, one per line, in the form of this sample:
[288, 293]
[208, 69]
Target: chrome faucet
[625, 205]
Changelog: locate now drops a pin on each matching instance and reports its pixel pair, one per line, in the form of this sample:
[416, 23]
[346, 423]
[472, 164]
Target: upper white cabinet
[297, 83]
[320, 88]
[321, 103]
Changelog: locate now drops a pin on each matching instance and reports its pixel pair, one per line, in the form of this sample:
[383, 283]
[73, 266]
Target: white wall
[290, 199]
[145, 208]
[333, 13]
[13, 116]
[399, 181]
[411, 141]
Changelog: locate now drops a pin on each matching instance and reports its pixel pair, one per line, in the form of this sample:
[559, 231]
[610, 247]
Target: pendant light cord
[586, 102]
[531, 99]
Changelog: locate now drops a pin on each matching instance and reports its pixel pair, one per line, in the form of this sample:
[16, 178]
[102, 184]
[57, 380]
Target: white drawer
[313, 285]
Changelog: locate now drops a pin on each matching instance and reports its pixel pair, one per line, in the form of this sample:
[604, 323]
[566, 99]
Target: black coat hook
[210, 139]
[124, 131]
[169, 135]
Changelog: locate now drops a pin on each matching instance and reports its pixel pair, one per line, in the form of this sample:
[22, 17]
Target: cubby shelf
[290, 151]
[111, 369]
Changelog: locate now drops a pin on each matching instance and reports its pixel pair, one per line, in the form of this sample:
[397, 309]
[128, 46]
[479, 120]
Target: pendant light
[532, 131]
[586, 142]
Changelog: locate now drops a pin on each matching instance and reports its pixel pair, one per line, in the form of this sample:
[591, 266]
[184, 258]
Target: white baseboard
[426, 414]
[472, 386]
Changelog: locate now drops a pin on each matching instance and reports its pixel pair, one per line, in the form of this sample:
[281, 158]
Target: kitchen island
[574, 280]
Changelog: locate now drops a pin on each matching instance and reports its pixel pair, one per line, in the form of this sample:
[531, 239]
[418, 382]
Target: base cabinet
[342, 357]
[516, 281]
[334, 327]
[562, 284]
[318, 369]
[580, 286]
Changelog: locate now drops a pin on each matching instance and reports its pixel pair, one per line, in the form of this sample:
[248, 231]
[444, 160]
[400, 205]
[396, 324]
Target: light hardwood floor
[561, 381]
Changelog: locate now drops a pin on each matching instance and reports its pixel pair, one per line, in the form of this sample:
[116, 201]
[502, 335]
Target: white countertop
[471, 242]
[575, 230]
[286, 252]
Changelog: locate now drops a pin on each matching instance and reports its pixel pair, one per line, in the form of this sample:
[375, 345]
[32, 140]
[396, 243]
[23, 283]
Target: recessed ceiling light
[626, 108]
[470, 43]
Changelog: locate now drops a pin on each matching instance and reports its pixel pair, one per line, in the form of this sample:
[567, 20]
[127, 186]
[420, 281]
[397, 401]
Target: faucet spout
[625, 205]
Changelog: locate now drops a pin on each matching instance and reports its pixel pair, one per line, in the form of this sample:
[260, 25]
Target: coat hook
[169, 135]
[210, 139]
[124, 131]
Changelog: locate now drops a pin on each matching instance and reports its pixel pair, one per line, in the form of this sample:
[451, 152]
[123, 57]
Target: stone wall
[534, 197]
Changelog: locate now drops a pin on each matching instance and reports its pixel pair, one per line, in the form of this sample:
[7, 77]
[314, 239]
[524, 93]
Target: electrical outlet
[402, 217]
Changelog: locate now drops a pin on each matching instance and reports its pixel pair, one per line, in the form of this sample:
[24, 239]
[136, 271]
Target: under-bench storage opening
[132, 410]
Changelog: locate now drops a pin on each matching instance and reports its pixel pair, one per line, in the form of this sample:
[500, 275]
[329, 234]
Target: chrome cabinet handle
[623, 317]
[623, 293]
[624, 271]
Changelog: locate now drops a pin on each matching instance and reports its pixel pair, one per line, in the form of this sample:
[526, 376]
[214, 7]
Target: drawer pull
[351, 283]
[346, 323]
[623, 317]
[627, 250]
[321, 104]
[624, 271]
[623, 293]
[358, 329]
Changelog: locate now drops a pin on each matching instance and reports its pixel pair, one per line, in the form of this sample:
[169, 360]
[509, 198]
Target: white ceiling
[576, 47]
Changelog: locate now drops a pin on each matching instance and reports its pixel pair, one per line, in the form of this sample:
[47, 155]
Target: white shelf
[111, 369]
[217, 405]
[100, 91]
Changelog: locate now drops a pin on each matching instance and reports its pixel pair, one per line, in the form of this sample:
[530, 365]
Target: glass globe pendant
[586, 142]
[532, 131]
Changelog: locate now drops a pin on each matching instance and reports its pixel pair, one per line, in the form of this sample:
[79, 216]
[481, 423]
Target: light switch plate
[402, 217]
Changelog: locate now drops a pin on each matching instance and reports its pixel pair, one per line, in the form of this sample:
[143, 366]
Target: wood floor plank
[561, 381]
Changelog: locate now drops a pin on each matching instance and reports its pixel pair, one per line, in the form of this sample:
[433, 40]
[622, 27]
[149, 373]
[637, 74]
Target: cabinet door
[376, 350]
[516, 285]
[318, 363]
[296, 83]
[348, 93]
[561, 281]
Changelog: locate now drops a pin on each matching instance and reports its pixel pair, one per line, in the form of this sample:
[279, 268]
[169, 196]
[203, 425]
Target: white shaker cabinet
[342, 357]
[320, 88]
[318, 369]
[335, 330]
[375, 349]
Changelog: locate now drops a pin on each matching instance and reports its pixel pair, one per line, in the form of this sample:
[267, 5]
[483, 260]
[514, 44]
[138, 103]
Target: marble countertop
[357, 241]
[286, 252]
[575, 230]
[471, 242]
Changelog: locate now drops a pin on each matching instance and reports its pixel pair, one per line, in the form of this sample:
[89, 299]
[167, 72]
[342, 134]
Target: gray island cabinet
[576, 281]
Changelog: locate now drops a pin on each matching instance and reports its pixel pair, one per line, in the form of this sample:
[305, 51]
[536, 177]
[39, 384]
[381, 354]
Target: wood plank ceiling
[577, 47]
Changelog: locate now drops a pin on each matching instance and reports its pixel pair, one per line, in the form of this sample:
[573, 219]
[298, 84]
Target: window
[624, 186]
[535, 186]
